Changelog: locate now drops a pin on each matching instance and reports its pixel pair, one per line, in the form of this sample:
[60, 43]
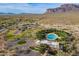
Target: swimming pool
[52, 36]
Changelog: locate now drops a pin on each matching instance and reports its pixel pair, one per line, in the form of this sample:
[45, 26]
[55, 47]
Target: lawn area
[30, 33]
[11, 35]
[63, 35]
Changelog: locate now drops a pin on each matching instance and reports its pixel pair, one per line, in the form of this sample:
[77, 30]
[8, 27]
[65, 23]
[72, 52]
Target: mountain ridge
[63, 8]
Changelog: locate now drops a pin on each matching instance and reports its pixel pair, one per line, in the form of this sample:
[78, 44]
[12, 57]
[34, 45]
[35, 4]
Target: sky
[26, 7]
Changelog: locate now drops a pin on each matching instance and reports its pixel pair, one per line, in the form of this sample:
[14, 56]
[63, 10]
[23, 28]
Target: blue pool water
[52, 36]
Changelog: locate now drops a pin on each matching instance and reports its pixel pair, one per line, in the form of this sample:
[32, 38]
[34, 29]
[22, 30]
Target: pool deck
[52, 44]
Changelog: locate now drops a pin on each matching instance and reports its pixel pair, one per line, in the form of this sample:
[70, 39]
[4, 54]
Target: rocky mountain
[64, 8]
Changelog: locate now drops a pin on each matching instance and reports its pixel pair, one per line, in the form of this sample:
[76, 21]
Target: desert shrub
[21, 42]
[41, 48]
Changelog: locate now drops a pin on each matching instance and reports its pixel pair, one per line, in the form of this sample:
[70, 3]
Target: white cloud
[26, 7]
